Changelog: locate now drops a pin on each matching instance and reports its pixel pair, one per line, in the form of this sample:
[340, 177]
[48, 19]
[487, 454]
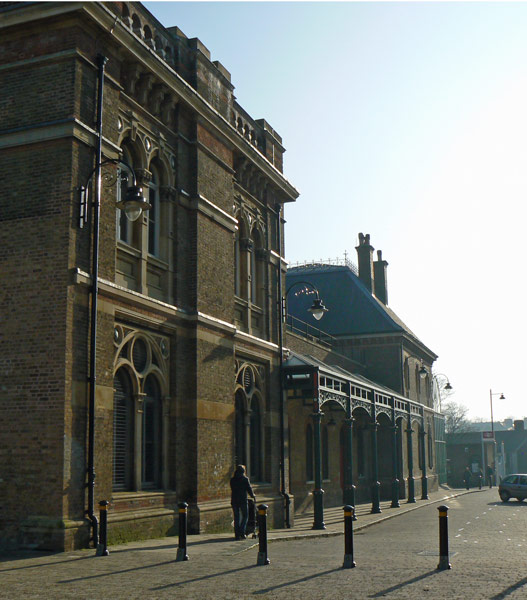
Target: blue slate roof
[353, 310]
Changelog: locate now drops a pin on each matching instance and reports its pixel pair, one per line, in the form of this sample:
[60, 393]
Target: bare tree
[456, 417]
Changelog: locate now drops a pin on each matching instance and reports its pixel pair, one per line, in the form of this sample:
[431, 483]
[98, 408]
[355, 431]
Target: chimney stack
[380, 278]
[365, 258]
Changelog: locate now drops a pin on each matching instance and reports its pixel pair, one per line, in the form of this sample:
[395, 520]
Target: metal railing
[329, 262]
[295, 325]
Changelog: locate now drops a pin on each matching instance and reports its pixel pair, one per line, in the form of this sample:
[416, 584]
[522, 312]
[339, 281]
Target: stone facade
[186, 302]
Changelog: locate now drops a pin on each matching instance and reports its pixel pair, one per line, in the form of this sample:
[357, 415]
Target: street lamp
[133, 205]
[441, 384]
[317, 309]
[502, 397]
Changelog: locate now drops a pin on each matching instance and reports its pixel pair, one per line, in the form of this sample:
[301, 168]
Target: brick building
[187, 330]
[377, 364]
[187, 335]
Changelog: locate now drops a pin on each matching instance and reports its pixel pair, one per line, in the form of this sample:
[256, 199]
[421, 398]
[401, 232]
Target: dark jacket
[240, 487]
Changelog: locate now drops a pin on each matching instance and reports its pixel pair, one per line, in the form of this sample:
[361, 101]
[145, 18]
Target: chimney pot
[380, 278]
[365, 259]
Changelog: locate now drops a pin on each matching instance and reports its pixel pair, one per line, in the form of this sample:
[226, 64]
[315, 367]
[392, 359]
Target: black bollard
[182, 546]
[262, 535]
[443, 539]
[480, 479]
[102, 545]
[349, 563]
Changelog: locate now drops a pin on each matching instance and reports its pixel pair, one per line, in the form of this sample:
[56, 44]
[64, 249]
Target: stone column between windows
[143, 177]
[138, 441]
[167, 196]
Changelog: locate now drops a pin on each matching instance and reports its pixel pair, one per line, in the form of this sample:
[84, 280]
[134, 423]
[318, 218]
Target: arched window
[122, 432]
[240, 457]
[257, 269]
[406, 372]
[361, 451]
[325, 452]
[151, 434]
[256, 440]
[417, 381]
[430, 446]
[420, 446]
[310, 470]
[154, 214]
[237, 284]
[126, 230]
[140, 384]
[248, 425]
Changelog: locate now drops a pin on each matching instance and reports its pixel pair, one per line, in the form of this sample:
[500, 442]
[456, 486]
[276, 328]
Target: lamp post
[439, 384]
[133, 205]
[502, 397]
[318, 310]
[441, 387]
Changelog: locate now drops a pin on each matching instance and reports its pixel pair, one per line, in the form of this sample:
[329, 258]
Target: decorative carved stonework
[167, 193]
[144, 87]
[130, 77]
[156, 96]
[246, 243]
[144, 176]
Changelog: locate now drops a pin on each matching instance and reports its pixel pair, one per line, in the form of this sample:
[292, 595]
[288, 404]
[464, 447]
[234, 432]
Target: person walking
[240, 490]
[490, 473]
[466, 478]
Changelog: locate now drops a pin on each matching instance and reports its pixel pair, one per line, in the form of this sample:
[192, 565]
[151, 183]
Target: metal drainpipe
[101, 63]
[283, 492]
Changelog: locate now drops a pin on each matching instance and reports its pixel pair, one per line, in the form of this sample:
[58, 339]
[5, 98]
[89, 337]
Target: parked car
[513, 486]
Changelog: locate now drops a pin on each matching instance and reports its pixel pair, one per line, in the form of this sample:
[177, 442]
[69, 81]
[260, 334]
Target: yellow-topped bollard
[443, 539]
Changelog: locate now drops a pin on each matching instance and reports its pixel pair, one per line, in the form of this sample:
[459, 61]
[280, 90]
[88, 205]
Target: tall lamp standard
[133, 205]
[439, 384]
[441, 387]
[318, 310]
[502, 397]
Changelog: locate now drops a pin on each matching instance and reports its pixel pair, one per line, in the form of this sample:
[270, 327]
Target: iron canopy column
[424, 478]
[411, 482]
[349, 488]
[318, 492]
[395, 467]
[375, 484]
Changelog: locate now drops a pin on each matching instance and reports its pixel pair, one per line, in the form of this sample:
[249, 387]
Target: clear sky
[407, 121]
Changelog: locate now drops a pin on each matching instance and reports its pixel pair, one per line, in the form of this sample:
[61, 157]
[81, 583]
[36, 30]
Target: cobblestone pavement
[396, 558]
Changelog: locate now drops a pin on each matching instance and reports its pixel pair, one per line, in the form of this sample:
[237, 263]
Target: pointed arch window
[249, 429]
[430, 441]
[122, 432]
[256, 440]
[257, 269]
[237, 274]
[240, 457]
[151, 434]
[139, 430]
[126, 229]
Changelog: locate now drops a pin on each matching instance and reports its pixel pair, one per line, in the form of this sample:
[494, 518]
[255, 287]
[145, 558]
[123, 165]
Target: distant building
[477, 450]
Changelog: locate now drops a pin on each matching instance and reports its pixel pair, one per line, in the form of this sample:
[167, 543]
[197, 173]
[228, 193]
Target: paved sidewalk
[206, 543]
